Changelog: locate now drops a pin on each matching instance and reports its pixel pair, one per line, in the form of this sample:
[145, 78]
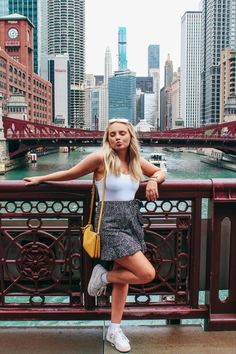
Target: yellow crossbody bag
[92, 239]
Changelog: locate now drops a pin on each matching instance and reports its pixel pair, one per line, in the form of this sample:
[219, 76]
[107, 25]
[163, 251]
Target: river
[180, 165]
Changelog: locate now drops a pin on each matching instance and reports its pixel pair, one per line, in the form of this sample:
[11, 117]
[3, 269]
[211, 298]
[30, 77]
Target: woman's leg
[119, 295]
[136, 269]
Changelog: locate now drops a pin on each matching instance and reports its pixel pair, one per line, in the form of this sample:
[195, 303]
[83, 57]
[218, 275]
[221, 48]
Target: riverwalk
[89, 340]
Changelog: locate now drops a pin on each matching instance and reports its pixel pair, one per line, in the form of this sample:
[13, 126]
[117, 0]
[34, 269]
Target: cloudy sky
[147, 22]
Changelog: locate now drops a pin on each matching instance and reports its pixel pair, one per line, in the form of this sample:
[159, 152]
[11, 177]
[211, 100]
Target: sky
[146, 21]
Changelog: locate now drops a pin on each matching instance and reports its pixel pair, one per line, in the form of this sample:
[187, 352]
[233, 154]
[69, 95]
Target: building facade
[144, 83]
[16, 69]
[190, 68]
[4, 9]
[168, 71]
[149, 108]
[154, 72]
[228, 85]
[122, 65]
[66, 24]
[30, 9]
[59, 76]
[105, 94]
[153, 57]
[43, 38]
[177, 121]
[95, 107]
[166, 96]
[218, 33]
[122, 95]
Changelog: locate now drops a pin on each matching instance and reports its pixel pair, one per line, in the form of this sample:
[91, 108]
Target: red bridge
[23, 136]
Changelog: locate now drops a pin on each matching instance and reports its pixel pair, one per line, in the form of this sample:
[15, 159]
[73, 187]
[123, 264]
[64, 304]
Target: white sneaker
[96, 286]
[118, 340]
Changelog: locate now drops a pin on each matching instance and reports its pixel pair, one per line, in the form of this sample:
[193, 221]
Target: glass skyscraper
[218, 33]
[122, 48]
[122, 95]
[153, 56]
[4, 8]
[28, 8]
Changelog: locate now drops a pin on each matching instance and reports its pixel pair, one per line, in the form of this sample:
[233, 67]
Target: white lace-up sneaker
[118, 340]
[96, 286]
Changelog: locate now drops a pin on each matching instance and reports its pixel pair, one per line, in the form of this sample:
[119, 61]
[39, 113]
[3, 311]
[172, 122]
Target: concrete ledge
[177, 340]
[53, 340]
[89, 340]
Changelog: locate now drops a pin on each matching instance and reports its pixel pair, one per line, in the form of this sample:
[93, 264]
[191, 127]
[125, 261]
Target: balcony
[190, 236]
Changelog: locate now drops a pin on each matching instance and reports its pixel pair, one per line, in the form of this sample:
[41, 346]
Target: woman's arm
[156, 176]
[89, 164]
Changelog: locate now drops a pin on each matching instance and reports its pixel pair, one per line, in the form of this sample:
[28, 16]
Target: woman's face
[119, 136]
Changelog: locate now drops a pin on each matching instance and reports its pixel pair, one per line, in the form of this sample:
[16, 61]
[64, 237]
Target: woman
[122, 239]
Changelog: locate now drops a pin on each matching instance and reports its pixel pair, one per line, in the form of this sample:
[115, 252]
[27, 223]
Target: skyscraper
[218, 33]
[122, 95]
[228, 85]
[122, 48]
[4, 8]
[153, 57]
[43, 38]
[190, 68]
[108, 66]
[59, 76]
[107, 73]
[177, 121]
[66, 21]
[165, 96]
[30, 10]
[168, 71]
[154, 72]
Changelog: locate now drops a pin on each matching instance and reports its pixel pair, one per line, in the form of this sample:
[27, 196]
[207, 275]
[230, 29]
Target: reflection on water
[179, 165]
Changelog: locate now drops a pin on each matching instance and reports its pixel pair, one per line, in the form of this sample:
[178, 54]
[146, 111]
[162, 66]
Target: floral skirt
[121, 229]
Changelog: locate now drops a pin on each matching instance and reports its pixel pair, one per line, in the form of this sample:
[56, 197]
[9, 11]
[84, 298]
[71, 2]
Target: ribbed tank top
[118, 188]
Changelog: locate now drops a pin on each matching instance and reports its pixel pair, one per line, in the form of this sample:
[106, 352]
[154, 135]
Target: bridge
[23, 136]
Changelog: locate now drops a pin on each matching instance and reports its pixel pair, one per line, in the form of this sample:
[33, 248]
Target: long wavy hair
[111, 159]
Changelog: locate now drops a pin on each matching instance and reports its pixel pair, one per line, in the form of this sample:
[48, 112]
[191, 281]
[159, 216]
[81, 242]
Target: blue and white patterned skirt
[121, 229]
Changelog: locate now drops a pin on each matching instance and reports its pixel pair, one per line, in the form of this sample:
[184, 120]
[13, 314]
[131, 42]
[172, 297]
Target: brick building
[16, 69]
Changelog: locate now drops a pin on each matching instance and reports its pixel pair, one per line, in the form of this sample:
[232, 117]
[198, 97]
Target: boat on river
[158, 159]
[173, 149]
[221, 160]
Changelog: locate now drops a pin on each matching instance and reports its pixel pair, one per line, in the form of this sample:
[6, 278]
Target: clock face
[13, 33]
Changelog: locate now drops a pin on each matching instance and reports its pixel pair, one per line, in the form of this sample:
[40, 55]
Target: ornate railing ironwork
[191, 241]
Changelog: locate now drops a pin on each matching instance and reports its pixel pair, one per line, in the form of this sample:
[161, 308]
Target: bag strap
[102, 201]
[92, 201]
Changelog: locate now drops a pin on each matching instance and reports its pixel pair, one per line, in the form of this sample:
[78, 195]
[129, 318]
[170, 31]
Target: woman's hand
[32, 180]
[152, 190]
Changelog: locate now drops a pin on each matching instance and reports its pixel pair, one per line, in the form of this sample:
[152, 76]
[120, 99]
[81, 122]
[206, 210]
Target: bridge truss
[23, 136]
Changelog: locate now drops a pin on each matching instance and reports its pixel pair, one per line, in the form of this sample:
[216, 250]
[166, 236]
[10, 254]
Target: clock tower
[17, 38]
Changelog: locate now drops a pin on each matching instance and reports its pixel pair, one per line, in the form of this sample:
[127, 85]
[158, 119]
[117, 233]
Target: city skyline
[145, 26]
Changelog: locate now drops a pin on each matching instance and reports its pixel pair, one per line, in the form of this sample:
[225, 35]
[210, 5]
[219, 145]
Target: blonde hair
[111, 159]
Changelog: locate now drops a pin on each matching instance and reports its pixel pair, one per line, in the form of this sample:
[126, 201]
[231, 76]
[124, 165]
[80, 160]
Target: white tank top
[118, 188]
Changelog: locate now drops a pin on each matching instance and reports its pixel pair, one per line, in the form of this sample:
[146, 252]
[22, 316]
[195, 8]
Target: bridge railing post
[3, 143]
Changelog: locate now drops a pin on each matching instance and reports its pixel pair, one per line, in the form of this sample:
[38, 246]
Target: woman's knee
[148, 275]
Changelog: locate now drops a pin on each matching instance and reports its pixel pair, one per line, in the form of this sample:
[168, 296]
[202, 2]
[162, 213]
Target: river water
[180, 165]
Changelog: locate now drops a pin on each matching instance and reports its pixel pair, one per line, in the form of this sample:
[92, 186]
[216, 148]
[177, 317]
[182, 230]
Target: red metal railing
[190, 236]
